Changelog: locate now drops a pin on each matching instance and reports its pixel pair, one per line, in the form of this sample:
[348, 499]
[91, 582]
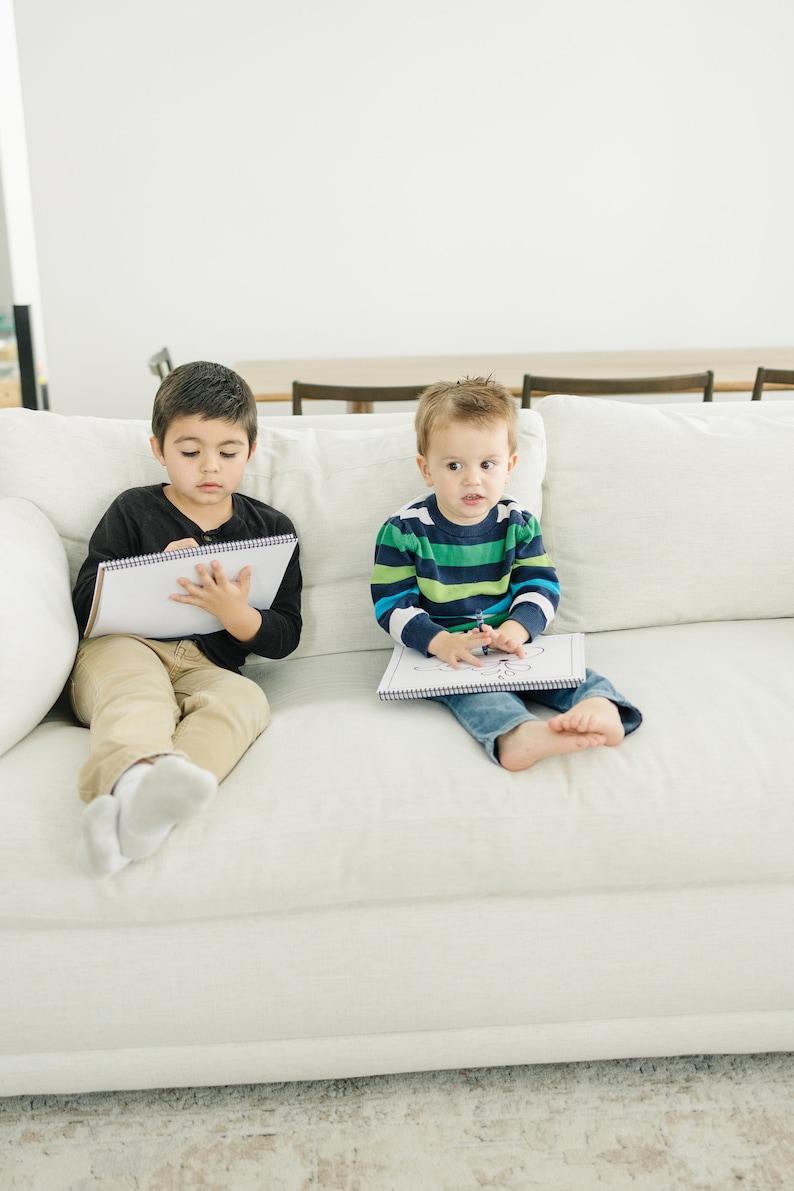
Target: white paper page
[553, 661]
[135, 599]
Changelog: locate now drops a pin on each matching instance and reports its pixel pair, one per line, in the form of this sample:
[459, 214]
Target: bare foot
[595, 714]
[533, 740]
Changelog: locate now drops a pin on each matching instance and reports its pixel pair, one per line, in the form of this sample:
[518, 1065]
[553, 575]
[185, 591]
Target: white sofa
[369, 893]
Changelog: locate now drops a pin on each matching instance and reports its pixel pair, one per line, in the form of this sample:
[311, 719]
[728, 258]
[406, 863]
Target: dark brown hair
[207, 391]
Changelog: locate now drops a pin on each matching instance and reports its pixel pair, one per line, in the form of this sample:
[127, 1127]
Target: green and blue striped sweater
[431, 574]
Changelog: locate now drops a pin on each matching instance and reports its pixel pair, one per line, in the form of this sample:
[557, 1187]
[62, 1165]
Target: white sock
[99, 851]
[152, 799]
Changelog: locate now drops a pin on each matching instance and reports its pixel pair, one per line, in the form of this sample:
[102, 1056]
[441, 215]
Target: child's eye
[189, 454]
[228, 454]
[487, 464]
[454, 466]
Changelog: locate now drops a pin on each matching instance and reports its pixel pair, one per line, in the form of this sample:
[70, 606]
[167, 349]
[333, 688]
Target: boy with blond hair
[468, 549]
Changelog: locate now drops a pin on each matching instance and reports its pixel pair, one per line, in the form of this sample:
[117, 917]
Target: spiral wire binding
[137, 560]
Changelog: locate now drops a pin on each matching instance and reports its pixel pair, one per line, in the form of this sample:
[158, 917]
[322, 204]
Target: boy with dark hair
[469, 549]
[169, 719]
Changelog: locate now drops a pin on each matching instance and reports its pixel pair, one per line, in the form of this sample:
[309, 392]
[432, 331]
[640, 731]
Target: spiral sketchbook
[132, 594]
[549, 663]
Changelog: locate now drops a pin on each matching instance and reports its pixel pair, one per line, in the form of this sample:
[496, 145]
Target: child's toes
[578, 723]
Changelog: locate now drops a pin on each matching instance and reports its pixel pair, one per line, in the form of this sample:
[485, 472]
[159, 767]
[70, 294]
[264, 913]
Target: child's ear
[512, 461]
[252, 448]
[421, 463]
[156, 451]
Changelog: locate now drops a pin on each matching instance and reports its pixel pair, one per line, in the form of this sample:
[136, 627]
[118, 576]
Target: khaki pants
[142, 699]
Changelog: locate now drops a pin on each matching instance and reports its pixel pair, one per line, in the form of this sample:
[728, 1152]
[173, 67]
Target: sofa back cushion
[666, 514]
[39, 633]
[338, 477]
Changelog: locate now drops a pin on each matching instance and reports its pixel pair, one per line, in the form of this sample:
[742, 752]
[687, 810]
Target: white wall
[277, 178]
[19, 280]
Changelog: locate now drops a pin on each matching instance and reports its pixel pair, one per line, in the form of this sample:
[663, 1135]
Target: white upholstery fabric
[39, 634]
[368, 892]
[318, 813]
[313, 1057]
[337, 485]
[559, 977]
[325, 896]
[668, 514]
[72, 468]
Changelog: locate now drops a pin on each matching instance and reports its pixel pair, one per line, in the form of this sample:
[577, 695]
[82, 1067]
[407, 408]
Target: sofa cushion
[39, 631]
[72, 468]
[661, 515]
[346, 800]
[337, 485]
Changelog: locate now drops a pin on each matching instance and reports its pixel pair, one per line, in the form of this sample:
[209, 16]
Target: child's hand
[510, 637]
[223, 597]
[182, 544]
[454, 648]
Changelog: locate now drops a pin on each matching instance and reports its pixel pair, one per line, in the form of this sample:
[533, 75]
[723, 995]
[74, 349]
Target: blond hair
[476, 400]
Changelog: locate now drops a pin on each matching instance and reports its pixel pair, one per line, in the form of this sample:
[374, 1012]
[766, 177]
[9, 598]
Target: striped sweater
[431, 574]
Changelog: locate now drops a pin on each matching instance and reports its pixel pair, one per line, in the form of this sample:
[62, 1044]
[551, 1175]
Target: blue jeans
[490, 714]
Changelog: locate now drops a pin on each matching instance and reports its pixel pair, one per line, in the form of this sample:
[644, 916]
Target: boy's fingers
[454, 660]
[508, 646]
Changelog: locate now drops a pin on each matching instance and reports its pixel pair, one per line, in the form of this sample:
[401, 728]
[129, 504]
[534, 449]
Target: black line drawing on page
[495, 664]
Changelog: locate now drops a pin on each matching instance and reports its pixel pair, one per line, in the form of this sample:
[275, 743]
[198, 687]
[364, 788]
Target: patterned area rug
[704, 1123]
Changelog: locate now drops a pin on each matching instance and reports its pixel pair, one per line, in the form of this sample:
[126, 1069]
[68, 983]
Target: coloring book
[132, 594]
[548, 663]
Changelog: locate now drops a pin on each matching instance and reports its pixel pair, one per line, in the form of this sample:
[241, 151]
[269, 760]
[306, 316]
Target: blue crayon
[480, 623]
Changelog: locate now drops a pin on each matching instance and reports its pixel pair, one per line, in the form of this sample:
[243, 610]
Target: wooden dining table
[734, 368]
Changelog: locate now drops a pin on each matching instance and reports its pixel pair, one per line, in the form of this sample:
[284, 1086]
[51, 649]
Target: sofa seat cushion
[669, 514]
[349, 801]
[38, 626]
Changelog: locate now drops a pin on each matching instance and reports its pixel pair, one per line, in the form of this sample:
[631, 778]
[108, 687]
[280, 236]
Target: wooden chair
[358, 397]
[771, 376]
[160, 363]
[692, 383]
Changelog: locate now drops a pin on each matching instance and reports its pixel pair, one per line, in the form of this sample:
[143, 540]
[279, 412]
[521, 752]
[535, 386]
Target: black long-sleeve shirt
[143, 521]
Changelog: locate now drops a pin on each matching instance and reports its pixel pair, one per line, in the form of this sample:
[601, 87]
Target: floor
[707, 1123]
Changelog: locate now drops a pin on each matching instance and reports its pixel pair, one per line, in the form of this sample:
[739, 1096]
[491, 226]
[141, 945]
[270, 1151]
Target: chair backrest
[694, 382]
[359, 397]
[160, 363]
[772, 376]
